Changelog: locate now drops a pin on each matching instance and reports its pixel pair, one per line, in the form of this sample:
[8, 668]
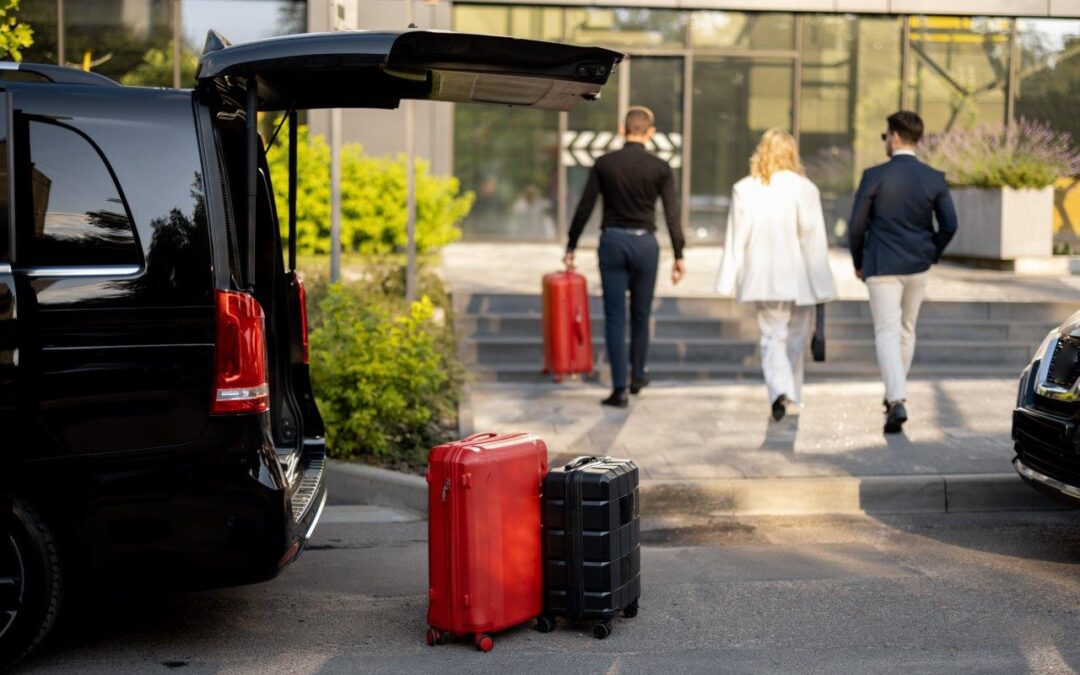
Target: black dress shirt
[892, 220]
[630, 179]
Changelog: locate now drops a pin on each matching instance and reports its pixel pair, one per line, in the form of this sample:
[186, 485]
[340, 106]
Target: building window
[78, 216]
[1048, 77]
[712, 30]
[850, 84]
[533, 23]
[508, 158]
[637, 28]
[735, 100]
[959, 70]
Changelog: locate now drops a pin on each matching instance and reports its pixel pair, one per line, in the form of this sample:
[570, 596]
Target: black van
[156, 412]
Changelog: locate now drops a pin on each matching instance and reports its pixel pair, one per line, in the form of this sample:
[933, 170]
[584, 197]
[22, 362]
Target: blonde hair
[775, 152]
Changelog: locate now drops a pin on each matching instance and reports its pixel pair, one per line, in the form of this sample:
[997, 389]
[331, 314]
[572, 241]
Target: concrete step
[502, 349]
[486, 304]
[527, 325]
[526, 372]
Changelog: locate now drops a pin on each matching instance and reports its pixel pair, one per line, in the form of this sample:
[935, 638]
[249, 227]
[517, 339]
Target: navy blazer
[892, 221]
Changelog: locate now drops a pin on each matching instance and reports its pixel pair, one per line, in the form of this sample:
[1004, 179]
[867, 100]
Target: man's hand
[678, 271]
[568, 260]
[860, 275]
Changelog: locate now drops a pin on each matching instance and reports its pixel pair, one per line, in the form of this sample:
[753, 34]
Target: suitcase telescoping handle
[483, 435]
[582, 461]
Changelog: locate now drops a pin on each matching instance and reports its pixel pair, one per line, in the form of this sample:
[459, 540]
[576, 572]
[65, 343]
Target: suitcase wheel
[545, 624]
[631, 610]
[435, 637]
[484, 642]
[601, 630]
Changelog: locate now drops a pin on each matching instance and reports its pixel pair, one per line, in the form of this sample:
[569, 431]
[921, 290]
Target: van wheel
[31, 584]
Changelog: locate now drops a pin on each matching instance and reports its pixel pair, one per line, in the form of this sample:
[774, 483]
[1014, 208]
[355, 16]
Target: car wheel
[31, 584]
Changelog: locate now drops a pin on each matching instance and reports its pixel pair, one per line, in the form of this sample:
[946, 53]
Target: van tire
[30, 555]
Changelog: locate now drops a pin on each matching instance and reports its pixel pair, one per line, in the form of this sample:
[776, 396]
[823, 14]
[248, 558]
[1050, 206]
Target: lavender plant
[1028, 155]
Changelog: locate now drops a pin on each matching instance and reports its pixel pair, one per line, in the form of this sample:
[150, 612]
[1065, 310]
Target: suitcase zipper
[451, 535]
[574, 544]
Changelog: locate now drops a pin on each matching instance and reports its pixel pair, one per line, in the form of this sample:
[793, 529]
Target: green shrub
[385, 374]
[372, 199]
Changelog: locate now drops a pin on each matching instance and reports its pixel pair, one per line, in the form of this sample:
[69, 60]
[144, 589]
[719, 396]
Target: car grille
[1064, 363]
[1046, 456]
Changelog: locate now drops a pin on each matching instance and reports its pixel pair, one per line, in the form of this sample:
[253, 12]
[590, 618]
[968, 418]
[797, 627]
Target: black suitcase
[592, 554]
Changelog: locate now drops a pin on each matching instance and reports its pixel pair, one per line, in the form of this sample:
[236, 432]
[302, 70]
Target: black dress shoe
[779, 407]
[895, 418]
[618, 399]
[637, 385]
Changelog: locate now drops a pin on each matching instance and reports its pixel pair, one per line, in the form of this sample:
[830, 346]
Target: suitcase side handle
[581, 461]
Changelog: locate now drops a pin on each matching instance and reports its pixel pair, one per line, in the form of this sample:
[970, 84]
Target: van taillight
[240, 379]
[303, 317]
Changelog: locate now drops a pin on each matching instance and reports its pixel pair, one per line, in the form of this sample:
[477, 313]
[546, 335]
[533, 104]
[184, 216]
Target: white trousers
[894, 302]
[785, 327]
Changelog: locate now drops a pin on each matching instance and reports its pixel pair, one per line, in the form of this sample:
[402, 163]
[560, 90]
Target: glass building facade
[718, 79]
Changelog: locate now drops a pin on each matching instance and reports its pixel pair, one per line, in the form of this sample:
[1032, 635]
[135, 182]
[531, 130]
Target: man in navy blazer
[893, 244]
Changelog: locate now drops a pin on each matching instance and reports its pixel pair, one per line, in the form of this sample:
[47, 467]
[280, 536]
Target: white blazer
[776, 248]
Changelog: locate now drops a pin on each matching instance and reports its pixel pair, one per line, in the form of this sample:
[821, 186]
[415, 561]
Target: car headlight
[1041, 351]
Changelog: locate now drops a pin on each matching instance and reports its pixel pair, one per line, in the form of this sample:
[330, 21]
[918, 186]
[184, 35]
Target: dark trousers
[628, 263]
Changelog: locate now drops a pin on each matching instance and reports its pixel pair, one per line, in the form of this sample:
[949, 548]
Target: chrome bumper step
[308, 488]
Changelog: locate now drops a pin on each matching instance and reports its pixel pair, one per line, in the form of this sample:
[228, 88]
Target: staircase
[711, 338]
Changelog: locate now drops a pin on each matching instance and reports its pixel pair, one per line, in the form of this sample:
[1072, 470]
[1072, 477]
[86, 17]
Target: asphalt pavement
[917, 593]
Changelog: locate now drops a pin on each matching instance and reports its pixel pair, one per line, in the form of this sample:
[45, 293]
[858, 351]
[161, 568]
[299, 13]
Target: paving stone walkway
[723, 430]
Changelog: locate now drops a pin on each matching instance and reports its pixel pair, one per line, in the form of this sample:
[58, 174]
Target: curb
[958, 493]
[350, 483]
[828, 495]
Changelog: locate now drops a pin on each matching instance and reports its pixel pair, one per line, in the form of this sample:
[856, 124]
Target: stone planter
[1003, 223]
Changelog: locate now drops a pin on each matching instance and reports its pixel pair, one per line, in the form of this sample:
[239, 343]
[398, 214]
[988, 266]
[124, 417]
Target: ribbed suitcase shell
[592, 553]
[484, 546]
[567, 331]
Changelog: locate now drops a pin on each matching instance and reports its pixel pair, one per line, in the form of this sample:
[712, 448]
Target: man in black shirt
[630, 180]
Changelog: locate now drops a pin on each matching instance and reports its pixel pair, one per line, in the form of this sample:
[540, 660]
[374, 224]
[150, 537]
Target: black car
[1047, 416]
[156, 412]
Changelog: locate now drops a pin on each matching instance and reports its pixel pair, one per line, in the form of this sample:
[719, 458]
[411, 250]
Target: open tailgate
[362, 69]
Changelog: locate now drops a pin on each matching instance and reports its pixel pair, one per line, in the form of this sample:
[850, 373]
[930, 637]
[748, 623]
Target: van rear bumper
[219, 512]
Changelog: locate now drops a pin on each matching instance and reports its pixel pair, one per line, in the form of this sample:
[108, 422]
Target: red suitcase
[485, 556]
[567, 331]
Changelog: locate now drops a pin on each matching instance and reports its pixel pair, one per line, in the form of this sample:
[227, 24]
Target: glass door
[655, 82]
[735, 100]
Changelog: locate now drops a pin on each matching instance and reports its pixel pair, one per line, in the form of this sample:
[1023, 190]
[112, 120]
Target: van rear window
[79, 217]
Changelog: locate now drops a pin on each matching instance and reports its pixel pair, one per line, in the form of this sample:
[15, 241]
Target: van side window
[78, 216]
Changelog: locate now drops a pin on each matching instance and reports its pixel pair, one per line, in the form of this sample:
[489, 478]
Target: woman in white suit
[776, 256]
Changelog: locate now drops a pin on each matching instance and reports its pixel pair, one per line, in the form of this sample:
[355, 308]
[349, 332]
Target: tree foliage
[372, 199]
[15, 35]
[156, 69]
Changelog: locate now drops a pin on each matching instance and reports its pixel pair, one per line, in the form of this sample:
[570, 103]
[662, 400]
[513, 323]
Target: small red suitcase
[567, 331]
[485, 556]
